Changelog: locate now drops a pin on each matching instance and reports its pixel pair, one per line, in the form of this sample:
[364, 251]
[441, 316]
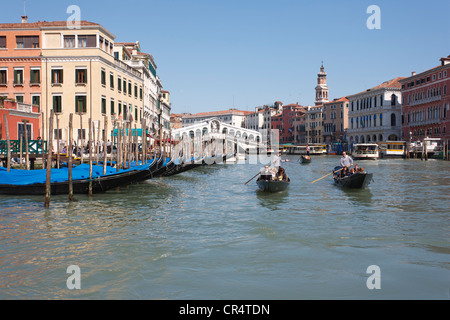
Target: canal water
[205, 235]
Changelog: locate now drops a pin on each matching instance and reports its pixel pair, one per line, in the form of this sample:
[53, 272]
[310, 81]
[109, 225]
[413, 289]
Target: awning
[139, 133]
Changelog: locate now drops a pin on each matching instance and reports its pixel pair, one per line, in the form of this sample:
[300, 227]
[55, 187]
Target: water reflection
[273, 201]
[359, 197]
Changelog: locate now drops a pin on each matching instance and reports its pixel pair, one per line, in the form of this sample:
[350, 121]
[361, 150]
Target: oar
[255, 176]
[332, 173]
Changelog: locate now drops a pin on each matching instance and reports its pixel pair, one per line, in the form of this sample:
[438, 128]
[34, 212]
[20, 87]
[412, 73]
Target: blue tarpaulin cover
[81, 172]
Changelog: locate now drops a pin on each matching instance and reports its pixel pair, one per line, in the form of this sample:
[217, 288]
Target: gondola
[357, 180]
[35, 181]
[306, 159]
[267, 184]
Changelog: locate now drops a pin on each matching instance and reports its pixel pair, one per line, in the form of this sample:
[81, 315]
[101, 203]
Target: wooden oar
[332, 173]
[255, 176]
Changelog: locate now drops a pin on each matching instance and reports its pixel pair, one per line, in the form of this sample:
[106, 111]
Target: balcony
[426, 100]
[21, 107]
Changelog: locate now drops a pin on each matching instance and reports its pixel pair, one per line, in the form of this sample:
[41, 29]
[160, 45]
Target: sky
[215, 55]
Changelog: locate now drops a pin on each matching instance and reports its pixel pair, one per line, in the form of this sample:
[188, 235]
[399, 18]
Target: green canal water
[205, 235]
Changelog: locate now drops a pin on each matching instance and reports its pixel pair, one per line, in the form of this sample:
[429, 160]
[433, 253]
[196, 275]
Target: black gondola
[356, 180]
[306, 159]
[267, 183]
[99, 185]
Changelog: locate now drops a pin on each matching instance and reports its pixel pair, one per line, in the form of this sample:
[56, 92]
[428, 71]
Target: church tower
[322, 88]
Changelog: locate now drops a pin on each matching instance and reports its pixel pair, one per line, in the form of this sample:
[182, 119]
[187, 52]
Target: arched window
[393, 100]
[393, 120]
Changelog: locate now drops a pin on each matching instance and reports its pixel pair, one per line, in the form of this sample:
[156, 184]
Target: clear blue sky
[217, 54]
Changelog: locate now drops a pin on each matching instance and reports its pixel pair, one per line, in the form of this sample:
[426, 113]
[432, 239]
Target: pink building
[426, 104]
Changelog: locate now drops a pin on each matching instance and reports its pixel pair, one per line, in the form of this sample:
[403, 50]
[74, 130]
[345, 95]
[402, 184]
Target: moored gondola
[357, 180]
[21, 182]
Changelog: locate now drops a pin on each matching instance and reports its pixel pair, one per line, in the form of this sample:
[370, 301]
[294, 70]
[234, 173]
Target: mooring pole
[49, 162]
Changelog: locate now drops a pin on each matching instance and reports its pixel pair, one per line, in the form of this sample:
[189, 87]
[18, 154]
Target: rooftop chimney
[413, 73]
[24, 19]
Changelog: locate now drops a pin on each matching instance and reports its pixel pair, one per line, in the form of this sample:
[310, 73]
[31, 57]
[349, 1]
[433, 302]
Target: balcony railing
[426, 100]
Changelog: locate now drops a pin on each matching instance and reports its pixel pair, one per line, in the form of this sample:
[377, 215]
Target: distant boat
[366, 151]
[357, 180]
[306, 159]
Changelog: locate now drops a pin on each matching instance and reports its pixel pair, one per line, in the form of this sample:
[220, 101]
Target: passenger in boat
[266, 174]
[281, 175]
[361, 170]
[308, 150]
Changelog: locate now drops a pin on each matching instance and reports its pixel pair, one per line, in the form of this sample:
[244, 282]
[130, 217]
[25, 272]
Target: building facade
[375, 114]
[76, 71]
[426, 104]
[17, 114]
[314, 124]
[335, 120]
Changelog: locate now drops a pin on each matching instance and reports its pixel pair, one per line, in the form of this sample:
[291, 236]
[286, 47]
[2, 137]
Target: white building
[375, 114]
[130, 53]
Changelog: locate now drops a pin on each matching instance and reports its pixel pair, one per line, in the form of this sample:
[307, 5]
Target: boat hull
[355, 181]
[272, 186]
[99, 185]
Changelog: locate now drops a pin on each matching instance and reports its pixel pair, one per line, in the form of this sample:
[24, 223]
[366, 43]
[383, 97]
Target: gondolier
[346, 161]
[277, 161]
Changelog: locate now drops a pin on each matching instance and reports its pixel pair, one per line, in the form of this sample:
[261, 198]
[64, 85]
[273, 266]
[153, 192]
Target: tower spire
[322, 87]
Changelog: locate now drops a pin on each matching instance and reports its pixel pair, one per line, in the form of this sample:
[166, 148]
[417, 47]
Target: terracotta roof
[43, 24]
[392, 84]
[343, 99]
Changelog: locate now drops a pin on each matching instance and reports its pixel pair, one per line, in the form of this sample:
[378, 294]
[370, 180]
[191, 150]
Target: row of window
[69, 41]
[57, 78]
[430, 113]
[371, 121]
[22, 42]
[433, 77]
[19, 78]
[371, 102]
[430, 93]
[81, 107]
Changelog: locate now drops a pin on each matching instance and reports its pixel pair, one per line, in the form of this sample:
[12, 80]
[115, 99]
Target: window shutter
[91, 41]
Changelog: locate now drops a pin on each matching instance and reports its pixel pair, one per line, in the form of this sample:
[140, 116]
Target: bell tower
[322, 87]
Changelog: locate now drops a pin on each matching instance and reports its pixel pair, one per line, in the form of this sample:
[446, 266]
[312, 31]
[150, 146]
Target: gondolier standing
[346, 161]
[277, 161]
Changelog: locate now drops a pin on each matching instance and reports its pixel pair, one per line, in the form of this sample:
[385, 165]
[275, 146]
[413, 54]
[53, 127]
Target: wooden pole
[57, 143]
[136, 144]
[98, 142]
[70, 152]
[8, 145]
[81, 138]
[49, 162]
[105, 146]
[27, 156]
[42, 137]
[20, 152]
[119, 148]
[90, 156]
